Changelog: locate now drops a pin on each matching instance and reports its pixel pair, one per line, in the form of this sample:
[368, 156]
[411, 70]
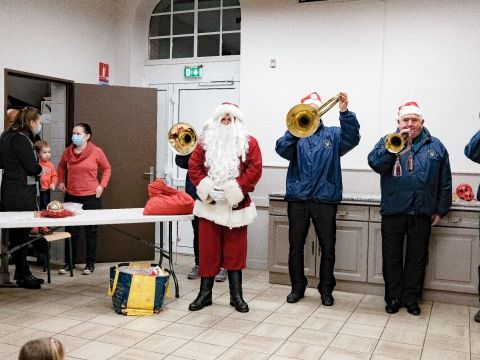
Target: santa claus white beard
[224, 146]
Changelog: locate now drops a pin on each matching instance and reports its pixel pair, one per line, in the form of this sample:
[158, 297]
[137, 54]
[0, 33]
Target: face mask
[37, 130]
[77, 140]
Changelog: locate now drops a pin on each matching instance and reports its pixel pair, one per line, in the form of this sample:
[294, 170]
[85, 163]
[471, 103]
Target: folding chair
[55, 236]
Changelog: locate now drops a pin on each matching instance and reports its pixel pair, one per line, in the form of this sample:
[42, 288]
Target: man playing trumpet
[416, 190]
[314, 189]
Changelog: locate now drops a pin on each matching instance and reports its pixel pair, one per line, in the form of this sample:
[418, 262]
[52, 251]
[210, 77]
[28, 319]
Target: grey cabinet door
[278, 246]
[375, 274]
[351, 250]
[453, 260]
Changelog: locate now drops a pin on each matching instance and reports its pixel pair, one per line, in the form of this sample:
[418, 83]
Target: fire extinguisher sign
[103, 73]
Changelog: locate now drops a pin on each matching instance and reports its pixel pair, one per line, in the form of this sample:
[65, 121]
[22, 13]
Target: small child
[42, 349]
[48, 177]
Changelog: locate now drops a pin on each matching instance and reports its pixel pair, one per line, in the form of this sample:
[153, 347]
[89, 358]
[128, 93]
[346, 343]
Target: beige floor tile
[112, 319]
[23, 335]
[182, 331]
[252, 315]
[264, 305]
[6, 329]
[75, 300]
[201, 351]
[272, 330]
[475, 357]
[55, 324]
[260, 344]
[450, 318]
[326, 312]
[385, 357]
[302, 308]
[95, 350]
[235, 325]
[137, 354]
[448, 330]
[404, 336]
[437, 354]
[51, 308]
[237, 354]
[285, 319]
[474, 334]
[368, 331]
[313, 337]
[450, 308]
[88, 330]
[393, 349]
[8, 349]
[84, 313]
[447, 343]
[200, 319]
[218, 337]
[171, 314]
[353, 343]
[147, 324]
[410, 324]
[160, 343]
[70, 343]
[123, 337]
[475, 347]
[368, 319]
[341, 354]
[300, 350]
[219, 310]
[323, 324]
[25, 319]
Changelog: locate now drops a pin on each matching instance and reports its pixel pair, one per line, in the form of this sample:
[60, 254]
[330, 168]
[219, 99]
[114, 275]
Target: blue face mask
[37, 130]
[77, 140]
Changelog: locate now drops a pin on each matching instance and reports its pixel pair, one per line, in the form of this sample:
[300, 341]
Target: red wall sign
[103, 72]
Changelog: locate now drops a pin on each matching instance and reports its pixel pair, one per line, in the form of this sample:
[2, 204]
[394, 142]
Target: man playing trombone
[314, 188]
[416, 190]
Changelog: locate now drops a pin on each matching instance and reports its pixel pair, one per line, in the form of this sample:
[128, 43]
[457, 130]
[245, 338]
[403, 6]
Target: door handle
[151, 174]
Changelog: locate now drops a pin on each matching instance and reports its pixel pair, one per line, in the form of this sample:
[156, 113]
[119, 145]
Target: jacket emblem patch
[432, 153]
[327, 143]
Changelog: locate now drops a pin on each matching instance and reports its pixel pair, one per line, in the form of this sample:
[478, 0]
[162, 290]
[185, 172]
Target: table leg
[161, 245]
[170, 259]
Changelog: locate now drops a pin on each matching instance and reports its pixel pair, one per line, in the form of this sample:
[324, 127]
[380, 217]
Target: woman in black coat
[19, 183]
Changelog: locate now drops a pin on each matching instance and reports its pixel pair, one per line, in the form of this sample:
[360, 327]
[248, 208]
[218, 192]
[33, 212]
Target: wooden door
[123, 121]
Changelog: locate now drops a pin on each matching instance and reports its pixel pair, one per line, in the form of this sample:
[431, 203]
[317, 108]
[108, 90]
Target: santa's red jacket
[239, 210]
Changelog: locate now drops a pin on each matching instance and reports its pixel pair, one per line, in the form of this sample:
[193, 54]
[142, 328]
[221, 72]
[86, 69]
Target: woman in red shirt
[79, 164]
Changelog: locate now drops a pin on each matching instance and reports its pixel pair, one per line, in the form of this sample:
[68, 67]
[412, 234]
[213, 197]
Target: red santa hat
[312, 98]
[228, 108]
[409, 108]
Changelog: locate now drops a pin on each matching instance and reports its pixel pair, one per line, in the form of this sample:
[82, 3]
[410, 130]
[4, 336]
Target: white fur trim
[224, 214]
[228, 109]
[233, 192]
[409, 110]
[204, 188]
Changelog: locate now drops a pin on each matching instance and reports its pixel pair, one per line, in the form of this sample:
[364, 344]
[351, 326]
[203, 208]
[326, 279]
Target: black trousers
[91, 231]
[195, 239]
[404, 276]
[44, 199]
[323, 217]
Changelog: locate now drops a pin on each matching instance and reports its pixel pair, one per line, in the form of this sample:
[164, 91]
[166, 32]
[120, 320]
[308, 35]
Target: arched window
[194, 28]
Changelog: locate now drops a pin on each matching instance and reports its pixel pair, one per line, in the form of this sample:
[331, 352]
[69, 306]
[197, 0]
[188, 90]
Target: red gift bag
[165, 200]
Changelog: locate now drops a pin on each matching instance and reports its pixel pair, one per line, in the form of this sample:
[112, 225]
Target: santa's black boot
[204, 297]
[236, 295]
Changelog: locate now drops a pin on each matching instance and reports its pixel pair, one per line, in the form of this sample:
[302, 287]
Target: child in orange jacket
[48, 177]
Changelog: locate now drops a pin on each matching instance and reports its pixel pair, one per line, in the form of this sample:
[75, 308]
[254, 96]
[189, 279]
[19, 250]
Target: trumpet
[395, 142]
[182, 138]
[303, 120]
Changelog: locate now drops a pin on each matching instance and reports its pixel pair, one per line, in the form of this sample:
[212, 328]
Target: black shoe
[89, 269]
[392, 306]
[236, 293]
[28, 283]
[477, 316]
[327, 299]
[413, 308]
[35, 279]
[293, 297]
[204, 297]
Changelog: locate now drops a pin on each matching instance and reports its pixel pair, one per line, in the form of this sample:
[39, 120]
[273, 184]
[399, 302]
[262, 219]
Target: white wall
[67, 38]
[383, 53]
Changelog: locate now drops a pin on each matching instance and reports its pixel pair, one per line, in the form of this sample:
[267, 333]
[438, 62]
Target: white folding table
[26, 219]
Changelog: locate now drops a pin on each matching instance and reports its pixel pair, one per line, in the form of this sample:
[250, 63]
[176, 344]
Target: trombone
[182, 138]
[395, 142]
[303, 120]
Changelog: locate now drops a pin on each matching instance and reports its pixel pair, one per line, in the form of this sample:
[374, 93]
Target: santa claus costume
[224, 167]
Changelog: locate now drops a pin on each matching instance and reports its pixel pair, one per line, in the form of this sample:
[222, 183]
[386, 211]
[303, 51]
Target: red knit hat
[409, 108]
[312, 98]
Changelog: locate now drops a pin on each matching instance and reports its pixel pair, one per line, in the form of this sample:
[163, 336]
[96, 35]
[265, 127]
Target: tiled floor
[78, 312]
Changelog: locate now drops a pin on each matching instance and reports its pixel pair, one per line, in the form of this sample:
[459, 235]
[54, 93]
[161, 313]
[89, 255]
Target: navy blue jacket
[427, 189]
[314, 172]
[472, 151]
[182, 162]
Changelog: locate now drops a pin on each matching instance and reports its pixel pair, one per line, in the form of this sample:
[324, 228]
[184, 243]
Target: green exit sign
[192, 71]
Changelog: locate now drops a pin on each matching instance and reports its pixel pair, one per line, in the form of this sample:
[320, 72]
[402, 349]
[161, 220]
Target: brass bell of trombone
[395, 142]
[182, 138]
[303, 120]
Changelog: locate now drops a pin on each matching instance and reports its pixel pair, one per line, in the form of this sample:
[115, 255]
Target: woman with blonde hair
[42, 349]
